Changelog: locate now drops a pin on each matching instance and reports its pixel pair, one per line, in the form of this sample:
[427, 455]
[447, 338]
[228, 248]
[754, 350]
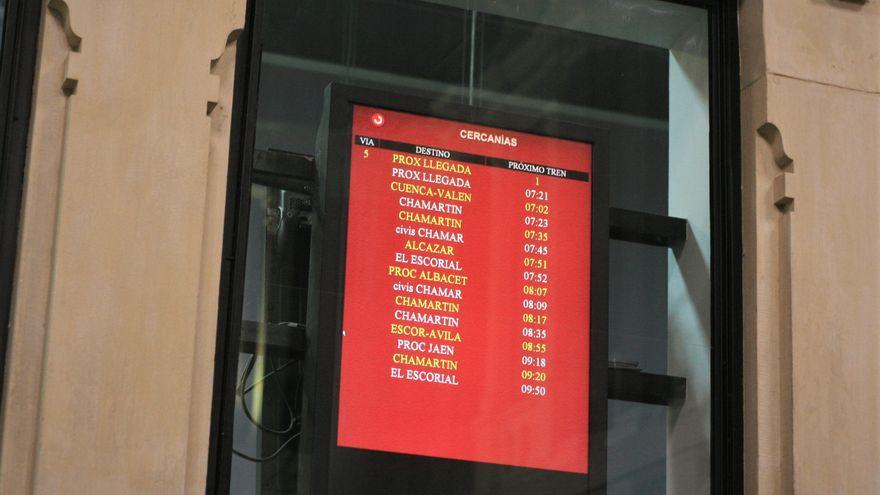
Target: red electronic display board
[466, 311]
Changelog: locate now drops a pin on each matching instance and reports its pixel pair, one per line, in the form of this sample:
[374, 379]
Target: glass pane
[2, 18]
[638, 68]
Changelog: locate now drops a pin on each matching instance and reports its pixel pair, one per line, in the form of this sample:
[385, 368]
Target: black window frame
[18, 57]
[726, 245]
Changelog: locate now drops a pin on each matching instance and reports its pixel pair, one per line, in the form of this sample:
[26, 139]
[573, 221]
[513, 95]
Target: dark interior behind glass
[468, 56]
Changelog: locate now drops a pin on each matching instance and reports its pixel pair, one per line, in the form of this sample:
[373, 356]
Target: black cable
[270, 456]
[247, 412]
[242, 392]
[267, 375]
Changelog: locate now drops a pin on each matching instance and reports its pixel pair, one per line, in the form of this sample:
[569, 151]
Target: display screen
[466, 311]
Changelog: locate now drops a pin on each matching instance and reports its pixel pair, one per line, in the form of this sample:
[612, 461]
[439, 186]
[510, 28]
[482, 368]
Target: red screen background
[485, 417]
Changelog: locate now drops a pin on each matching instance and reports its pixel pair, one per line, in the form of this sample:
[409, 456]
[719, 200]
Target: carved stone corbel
[784, 184]
[212, 86]
[62, 10]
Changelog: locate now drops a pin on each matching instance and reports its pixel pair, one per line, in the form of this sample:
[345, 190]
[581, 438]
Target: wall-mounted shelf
[282, 340]
[291, 171]
[647, 228]
[633, 385]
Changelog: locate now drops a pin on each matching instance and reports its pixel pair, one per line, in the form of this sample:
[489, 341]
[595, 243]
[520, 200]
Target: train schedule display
[466, 320]
[457, 326]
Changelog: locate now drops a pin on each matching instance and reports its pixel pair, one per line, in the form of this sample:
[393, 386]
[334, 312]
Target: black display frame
[327, 279]
[726, 244]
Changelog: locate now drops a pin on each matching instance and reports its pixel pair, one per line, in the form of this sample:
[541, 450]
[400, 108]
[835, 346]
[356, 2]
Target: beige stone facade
[811, 169]
[118, 270]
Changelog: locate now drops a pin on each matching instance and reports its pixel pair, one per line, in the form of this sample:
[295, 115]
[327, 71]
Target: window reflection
[638, 68]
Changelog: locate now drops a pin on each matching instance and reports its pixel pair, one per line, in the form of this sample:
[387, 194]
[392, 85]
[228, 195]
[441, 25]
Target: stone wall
[110, 367]
[811, 170]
